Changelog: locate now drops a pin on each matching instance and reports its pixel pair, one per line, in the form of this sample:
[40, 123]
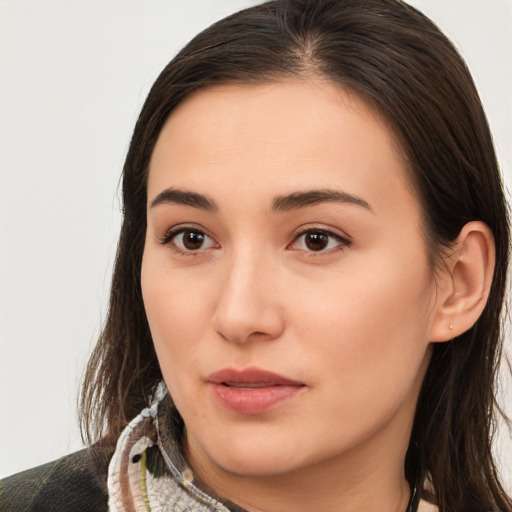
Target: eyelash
[341, 242]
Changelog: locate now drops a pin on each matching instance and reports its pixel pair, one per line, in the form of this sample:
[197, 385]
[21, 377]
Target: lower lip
[253, 401]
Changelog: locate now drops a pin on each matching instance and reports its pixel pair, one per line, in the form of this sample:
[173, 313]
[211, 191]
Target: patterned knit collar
[170, 429]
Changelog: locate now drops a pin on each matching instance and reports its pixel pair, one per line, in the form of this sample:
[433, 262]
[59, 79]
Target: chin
[270, 460]
[257, 463]
[249, 452]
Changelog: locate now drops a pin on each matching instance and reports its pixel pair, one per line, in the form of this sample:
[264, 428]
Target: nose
[248, 306]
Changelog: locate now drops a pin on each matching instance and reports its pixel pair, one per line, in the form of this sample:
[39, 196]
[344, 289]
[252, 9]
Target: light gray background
[73, 76]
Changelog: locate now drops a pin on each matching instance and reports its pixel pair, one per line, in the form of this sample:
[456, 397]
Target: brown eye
[193, 240]
[316, 241]
[319, 240]
[188, 240]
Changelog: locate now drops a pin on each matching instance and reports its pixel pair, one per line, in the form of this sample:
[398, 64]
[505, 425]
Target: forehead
[276, 113]
[250, 138]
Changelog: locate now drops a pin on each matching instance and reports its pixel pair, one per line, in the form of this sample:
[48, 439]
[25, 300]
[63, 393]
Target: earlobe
[465, 282]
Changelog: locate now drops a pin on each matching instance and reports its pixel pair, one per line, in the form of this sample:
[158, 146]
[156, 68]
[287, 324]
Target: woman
[313, 263]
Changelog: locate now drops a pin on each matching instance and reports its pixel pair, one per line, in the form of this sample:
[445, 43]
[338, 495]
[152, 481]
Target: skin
[353, 322]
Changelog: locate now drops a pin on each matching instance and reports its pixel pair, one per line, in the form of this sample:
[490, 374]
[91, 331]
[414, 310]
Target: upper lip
[231, 376]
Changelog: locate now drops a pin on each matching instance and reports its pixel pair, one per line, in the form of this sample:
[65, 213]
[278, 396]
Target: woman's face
[285, 279]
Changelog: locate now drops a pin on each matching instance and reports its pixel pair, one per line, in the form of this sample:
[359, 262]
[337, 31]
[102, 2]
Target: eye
[187, 240]
[319, 240]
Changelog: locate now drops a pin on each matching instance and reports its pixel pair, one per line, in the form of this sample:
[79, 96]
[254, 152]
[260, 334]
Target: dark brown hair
[398, 61]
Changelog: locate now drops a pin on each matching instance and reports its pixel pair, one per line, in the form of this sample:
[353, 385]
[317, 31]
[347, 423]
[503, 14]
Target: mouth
[251, 391]
[248, 385]
[250, 377]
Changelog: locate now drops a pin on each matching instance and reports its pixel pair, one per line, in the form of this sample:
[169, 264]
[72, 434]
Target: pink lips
[251, 391]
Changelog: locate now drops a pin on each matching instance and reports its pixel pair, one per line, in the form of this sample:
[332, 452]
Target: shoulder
[74, 483]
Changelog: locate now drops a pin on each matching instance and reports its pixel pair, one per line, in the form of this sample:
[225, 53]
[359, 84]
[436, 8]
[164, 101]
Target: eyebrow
[184, 197]
[299, 200]
[293, 201]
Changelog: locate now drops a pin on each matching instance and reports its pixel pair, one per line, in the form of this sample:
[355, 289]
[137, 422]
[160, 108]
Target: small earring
[451, 327]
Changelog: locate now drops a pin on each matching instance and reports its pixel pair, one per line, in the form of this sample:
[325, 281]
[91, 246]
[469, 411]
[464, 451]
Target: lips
[251, 391]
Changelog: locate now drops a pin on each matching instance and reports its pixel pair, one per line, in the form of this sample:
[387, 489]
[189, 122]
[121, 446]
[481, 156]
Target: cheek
[171, 322]
[368, 326]
[176, 312]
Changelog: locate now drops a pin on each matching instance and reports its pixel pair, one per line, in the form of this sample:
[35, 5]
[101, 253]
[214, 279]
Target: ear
[464, 283]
